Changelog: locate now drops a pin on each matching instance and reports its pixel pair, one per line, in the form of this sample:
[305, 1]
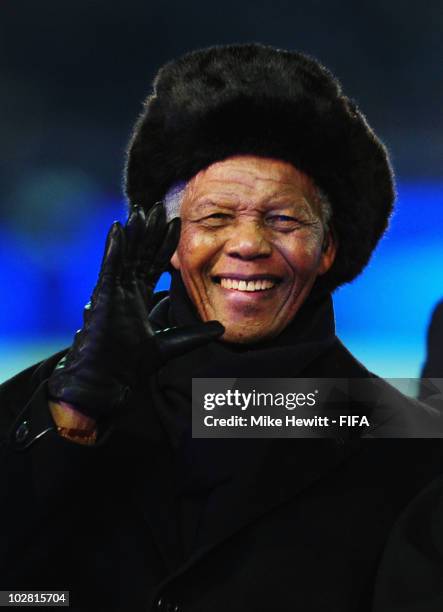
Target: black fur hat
[253, 99]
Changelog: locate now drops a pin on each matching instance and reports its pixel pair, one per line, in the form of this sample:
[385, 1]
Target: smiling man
[253, 242]
[261, 187]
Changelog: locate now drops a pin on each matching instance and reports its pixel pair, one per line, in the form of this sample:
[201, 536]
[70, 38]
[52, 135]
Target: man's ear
[175, 260]
[329, 251]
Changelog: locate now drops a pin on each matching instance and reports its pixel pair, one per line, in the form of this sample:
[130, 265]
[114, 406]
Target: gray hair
[173, 199]
[326, 209]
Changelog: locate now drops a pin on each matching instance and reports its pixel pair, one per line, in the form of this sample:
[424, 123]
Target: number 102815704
[34, 598]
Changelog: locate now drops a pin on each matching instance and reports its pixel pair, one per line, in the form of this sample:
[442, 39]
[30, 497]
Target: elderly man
[262, 187]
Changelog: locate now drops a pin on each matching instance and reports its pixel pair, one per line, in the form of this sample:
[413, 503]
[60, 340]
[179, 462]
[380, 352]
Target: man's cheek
[175, 260]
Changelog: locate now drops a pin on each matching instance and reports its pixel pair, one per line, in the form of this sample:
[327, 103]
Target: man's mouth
[250, 283]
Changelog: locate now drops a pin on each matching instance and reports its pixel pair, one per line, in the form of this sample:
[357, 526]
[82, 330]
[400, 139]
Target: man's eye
[283, 222]
[216, 219]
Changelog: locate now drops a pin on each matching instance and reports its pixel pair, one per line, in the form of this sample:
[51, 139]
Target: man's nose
[248, 241]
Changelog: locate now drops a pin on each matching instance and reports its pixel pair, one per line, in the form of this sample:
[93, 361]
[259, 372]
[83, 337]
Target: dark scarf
[310, 333]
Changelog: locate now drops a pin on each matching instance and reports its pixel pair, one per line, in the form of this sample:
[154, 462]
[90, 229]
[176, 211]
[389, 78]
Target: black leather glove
[117, 347]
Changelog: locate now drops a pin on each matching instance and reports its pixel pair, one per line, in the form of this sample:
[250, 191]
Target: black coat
[430, 390]
[301, 525]
[433, 367]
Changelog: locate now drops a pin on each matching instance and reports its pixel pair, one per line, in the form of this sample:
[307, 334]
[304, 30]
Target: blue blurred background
[73, 77]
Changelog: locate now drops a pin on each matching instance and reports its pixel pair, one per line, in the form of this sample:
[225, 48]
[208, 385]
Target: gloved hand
[117, 347]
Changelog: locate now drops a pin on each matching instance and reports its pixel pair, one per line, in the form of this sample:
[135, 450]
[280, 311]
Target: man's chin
[244, 335]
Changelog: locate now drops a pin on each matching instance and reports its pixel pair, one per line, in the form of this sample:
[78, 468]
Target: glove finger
[110, 268]
[112, 254]
[164, 254]
[135, 233]
[154, 233]
[170, 243]
[176, 341]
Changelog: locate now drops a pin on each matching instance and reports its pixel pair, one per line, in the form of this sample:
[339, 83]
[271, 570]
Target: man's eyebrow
[206, 202]
[287, 200]
[298, 203]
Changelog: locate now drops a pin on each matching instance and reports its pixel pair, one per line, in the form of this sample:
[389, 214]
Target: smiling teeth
[254, 285]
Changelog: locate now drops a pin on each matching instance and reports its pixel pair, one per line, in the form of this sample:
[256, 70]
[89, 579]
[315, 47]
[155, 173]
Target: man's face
[251, 245]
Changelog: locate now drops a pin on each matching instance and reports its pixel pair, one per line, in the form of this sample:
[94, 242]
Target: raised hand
[117, 347]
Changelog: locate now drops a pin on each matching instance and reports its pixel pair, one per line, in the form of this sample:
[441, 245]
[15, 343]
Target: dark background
[73, 78]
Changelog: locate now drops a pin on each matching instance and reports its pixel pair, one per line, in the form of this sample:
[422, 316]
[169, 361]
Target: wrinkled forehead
[242, 179]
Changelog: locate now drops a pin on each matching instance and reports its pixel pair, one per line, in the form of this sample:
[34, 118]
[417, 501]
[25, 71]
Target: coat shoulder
[337, 362]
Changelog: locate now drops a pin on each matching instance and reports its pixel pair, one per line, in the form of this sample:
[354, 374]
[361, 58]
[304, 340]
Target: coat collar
[272, 473]
[241, 480]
